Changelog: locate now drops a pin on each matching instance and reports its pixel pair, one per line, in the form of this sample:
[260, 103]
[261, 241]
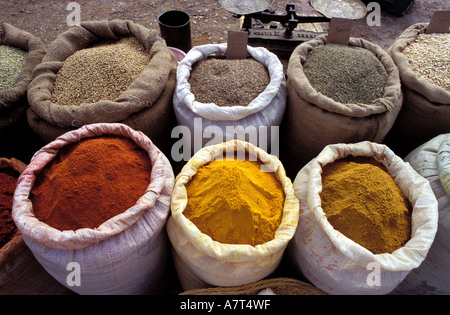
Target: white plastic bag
[200, 261]
[335, 263]
[127, 254]
[432, 161]
[264, 111]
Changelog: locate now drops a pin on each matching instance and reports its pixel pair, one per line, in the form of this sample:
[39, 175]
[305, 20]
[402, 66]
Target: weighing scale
[281, 33]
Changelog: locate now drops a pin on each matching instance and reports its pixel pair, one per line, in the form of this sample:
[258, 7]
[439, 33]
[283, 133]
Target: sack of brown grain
[20, 53]
[315, 119]
[76, 85]
[248, 105]
[20, 272]
[423, 61]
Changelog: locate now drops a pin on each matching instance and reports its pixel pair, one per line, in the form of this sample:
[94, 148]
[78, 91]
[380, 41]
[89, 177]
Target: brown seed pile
[101, 72]
[11, 63]
[228, 82]
[429, 58]
[346, 74]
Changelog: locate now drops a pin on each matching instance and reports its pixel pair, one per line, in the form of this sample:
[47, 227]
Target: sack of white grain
[432, 161]
[423, 62]
[239, 105]
[334, 262]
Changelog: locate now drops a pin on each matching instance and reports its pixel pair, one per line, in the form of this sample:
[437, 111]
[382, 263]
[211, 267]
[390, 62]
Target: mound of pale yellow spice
[234, 202]
[362, 201]
[101, 72]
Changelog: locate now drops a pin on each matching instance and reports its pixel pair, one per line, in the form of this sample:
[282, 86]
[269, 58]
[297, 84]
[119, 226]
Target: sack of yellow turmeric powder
[332, 251]
[232, 217]
[126, 253]
[86, 78]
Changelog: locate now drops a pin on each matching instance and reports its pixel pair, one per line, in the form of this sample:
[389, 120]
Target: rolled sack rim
[235, 252]
[422, 199]
[392, 98]
[443, 163]
[409, 78]
[214, 112]
[103, 111]
[48, 236]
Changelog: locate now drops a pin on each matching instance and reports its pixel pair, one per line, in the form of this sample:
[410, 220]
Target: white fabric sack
[432, 161]
[127, 254]
[202, 262]
[335, 263]
[266, 110]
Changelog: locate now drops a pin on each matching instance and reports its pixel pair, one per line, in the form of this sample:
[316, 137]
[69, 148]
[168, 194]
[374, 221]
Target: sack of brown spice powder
[426, 106]
[336, 263]
[266, 110]
[146, 105]
[314, 120]
[126, 254]
[20, 272]
[13, 100]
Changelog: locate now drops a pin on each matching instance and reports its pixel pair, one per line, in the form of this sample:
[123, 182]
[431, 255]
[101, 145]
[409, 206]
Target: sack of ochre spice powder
[266, 110]
[426, 106]
[335, 263]
[13, 100]
[314, 120]
[432, 161]
[145, 106]
[20, 272]
[203, 262]
[127, 254]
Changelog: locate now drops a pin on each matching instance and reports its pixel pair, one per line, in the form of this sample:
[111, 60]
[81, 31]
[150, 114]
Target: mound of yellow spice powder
[234, 202]
[362, 201]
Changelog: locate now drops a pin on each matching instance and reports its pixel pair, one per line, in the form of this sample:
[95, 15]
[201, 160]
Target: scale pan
[347, 9]
[244, 7]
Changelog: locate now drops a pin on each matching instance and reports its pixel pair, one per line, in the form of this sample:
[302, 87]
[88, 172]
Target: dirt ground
[210, 22]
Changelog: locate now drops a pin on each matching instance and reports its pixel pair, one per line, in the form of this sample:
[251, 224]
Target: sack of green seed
[423, 62]
[20, 53]
[337, 94]
[105, 72]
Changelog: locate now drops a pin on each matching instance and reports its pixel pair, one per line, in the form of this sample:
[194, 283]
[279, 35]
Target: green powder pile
[11, 63]
[102, 72]
[346, 74]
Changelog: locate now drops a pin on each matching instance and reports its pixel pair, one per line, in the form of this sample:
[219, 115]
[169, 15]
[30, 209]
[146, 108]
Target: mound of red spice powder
[8, 180]
[91, 181]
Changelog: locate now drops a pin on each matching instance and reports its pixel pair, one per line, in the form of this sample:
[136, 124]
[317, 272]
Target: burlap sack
[335, 263]
[127, 254]
[145, 106]
[13, 101]
[426, 107]
[20, 272]
[432, 161]
[202, 262]
[313, 120]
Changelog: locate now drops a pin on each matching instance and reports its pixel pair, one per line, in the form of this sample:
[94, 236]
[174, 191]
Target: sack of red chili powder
[20, 272]
[55, 203]
[145, 103]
